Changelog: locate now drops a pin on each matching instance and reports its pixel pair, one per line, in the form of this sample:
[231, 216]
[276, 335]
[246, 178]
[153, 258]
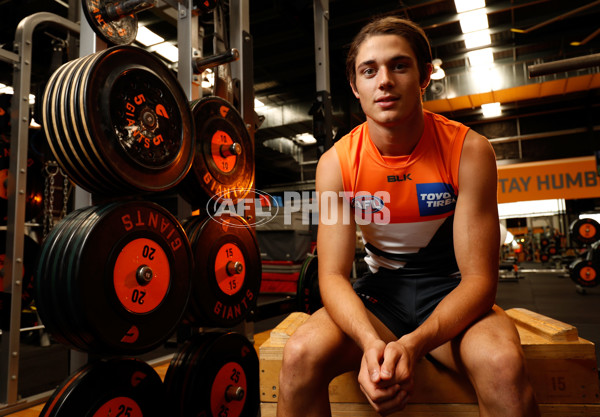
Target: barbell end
[201, 64]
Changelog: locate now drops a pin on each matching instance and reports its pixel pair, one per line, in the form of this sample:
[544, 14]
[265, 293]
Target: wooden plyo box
[562, 367]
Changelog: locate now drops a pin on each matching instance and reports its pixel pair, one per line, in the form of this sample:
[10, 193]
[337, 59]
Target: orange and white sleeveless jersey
[405, 204]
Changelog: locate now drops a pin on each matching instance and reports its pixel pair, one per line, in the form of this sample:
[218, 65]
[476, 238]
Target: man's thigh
[492, 332]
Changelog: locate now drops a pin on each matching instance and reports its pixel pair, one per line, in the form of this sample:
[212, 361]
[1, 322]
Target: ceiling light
[438, 73]
[491, 109]
[305, 139]
[146, 37]
[167, 50]
[473, 21]
[486, 78]
[477, 39]
[481, 57]
[466, 5]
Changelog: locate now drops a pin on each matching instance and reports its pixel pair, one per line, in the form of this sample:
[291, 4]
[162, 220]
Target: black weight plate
[51, 296]
[108, 181]
[214, 174]
[585, 230]
[227, 362]
[84, 173]
[30, 256]
[114, 32]
[114, 387]
[308, 293]
[178, 371]
[120, 314]
[64, 291]
[222, 296]
[51, 128]
[138, 117]
[95, 179]
[63, 147]
[584, 273]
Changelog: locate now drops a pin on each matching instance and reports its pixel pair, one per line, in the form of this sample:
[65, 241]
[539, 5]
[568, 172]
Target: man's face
[387, 79]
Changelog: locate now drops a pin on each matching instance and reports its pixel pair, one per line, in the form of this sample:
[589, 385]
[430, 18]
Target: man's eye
[368, 72]
[400, 66]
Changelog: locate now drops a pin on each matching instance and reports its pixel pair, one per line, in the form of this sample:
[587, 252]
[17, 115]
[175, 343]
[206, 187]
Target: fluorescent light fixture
[258, 104]
[481, 57]
[478, 39]
[305, 138]
[533, 208]
[167, 50]
[486, 78]
[491, 109]
[466, 5]
[146, 37]
[473, 21]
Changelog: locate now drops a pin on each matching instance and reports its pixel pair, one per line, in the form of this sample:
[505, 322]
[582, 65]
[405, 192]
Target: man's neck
[397, 139]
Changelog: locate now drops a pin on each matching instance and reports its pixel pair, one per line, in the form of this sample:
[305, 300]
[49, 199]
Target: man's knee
[296, 352]
[500, 369]
[300, 360]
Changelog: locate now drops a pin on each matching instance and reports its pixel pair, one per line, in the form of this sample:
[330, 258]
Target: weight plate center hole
[235, 149]
[233, 393]
[234, 268]
[144, 275]
[149, 118]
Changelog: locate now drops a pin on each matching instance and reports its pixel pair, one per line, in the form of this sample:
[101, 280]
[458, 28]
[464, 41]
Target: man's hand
[386, 376]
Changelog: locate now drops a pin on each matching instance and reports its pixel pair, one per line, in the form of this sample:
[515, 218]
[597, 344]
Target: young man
[423, 190]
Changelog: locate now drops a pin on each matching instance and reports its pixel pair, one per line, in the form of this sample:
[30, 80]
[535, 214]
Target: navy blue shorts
[402, 303]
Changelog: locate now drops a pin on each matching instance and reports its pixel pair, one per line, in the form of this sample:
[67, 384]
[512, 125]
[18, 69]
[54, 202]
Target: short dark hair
[391, 25]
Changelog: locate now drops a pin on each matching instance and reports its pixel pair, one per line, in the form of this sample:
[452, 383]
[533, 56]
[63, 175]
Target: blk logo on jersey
[435, 198]
[399, 178]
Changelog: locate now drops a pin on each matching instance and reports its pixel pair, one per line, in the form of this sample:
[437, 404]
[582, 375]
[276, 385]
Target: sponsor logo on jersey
[399, 178]
[367, 203]
[435, 198]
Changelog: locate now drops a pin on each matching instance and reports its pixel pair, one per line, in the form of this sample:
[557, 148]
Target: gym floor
[544, 291]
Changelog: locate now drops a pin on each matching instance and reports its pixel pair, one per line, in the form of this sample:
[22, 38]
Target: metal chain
[49, 196]
[66, 185]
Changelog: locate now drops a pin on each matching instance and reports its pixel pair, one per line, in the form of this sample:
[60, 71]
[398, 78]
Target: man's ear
[427, 76]
[354, 90]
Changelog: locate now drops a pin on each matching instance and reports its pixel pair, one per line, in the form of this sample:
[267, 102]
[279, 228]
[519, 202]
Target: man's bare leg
[491, 355]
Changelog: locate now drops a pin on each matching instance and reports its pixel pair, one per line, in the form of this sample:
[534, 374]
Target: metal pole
[564, 65]
[187, 42]
[322, 128]
[242, 74]
[16, 190]
[242, 70]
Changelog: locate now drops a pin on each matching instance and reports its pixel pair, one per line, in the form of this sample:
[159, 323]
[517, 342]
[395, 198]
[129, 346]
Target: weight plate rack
[118, 122]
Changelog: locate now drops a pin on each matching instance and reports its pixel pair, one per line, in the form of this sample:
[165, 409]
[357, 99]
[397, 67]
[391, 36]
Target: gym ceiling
[523, 32]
